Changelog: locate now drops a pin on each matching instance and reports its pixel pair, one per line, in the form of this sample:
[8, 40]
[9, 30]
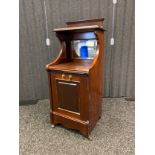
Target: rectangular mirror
[85, 49]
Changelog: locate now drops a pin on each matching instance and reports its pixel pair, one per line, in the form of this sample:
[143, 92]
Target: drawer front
[70, 94]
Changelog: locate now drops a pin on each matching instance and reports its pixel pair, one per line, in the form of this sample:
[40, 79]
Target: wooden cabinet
[76, 78]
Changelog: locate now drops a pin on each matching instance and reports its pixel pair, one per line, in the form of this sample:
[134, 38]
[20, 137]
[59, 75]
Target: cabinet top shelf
[79, 28]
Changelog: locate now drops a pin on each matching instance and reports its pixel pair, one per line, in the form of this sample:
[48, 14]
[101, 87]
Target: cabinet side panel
[96, 83]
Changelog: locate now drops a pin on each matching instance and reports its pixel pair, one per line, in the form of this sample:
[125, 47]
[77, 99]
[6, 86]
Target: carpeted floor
[113, 134]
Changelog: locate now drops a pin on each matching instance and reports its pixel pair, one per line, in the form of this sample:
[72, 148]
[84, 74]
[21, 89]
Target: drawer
[67, 76]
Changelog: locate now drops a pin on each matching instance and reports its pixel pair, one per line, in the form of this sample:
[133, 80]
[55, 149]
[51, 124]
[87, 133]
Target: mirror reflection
[85, 49]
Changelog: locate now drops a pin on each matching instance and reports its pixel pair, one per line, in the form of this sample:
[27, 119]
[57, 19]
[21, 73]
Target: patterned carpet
[113, 134]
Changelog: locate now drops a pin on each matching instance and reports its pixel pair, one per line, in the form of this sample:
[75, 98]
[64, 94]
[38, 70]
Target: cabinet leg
[90, 138]
[99, 117]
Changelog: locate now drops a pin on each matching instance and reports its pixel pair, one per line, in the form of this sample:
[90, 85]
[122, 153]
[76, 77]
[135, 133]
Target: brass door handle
[63, 76]
[70, 76]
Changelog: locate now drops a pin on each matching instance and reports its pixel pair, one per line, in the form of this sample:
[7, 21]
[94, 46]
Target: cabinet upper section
[81, 44]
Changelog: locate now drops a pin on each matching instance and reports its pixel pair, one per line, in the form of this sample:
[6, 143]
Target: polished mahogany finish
[76, 83]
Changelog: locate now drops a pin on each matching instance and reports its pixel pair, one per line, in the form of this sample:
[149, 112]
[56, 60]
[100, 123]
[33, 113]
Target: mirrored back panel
[84, 49]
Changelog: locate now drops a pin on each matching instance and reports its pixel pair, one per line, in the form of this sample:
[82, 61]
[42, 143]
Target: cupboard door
[68, 95]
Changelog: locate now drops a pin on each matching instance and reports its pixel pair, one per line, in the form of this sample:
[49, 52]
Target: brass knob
[63, 76]
[70, 76]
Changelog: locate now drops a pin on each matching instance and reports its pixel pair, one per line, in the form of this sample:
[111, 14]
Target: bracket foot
[90, 138]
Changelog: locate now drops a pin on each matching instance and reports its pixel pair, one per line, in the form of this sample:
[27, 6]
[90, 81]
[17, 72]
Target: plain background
[145, 77]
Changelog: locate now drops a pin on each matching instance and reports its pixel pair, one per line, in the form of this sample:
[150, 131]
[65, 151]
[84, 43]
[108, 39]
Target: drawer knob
[63, 76]
[70, 76]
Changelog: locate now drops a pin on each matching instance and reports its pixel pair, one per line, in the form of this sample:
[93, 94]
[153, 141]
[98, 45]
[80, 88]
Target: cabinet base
[70, 122]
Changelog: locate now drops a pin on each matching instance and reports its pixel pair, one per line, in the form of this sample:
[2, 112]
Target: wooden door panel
[68, 95]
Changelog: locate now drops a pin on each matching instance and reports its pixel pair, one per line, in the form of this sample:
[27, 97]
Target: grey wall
[34, 55]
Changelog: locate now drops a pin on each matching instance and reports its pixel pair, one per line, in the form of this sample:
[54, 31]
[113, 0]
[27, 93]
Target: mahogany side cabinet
[76, 76]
